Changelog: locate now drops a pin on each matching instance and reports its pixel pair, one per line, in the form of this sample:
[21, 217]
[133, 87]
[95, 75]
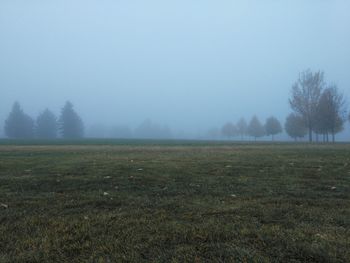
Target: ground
[106, 201]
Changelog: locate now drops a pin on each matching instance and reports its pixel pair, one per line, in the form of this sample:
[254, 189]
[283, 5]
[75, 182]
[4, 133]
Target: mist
[183, 67]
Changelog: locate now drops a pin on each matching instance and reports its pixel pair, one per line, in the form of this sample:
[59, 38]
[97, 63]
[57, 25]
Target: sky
[188, 64]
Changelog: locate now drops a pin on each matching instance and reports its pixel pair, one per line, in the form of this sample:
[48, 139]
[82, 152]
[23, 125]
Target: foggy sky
[188, 64]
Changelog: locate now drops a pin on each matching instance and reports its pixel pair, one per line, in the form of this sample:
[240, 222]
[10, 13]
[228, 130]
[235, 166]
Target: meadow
[173, 201]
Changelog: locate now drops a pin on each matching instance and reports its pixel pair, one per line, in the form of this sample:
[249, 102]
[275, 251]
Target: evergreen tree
[272, 127]
[46, 125]
[18, 124]
[70, 124]
[255, 129]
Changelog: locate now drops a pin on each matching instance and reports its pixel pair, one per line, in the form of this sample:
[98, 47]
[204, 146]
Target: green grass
[174, 202]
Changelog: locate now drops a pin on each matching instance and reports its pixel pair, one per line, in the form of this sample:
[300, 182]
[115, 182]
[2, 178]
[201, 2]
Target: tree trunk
[333, 137]
[310, 134]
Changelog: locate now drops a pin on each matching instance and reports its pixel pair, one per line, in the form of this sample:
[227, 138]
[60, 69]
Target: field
[142, 201]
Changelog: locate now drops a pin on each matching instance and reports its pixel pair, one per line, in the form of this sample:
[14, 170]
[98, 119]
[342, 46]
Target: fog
[188, 66]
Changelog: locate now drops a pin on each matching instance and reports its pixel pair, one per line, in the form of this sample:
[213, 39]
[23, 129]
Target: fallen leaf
[4, 205]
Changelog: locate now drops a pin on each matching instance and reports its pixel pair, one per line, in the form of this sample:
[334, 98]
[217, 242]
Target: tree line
[318, 107]
[20, 125]
[319, 110]
[254, 128]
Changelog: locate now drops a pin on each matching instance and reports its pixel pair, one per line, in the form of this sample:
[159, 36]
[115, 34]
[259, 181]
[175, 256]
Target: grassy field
[174, 202]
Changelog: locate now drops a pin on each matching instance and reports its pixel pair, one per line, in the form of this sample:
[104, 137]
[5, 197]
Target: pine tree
[70, 124]
[46, 125]
[18, 124]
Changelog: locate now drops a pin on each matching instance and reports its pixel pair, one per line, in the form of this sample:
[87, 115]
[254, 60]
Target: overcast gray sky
[190, 64]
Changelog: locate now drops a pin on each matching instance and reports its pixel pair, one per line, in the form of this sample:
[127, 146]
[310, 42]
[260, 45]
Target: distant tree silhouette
[295, 126]
[18, 124]
[229, 130]
[121, 132]
[242, 128]
[306, 93]
[46, 125]
[272, 127]
[70, 124]
[331, 112]
[151, 130]
[255, 129]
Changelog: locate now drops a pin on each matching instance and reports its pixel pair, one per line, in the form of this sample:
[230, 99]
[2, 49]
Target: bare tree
[255, 129]
[306, 93]
[272, 127]
[295, 126]
[229, 130]
[331, 112]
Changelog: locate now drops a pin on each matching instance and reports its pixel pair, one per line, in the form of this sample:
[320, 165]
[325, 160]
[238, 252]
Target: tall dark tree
[306, 93]
[272, 127]
[70, 124]
[18, 124]
[229, 130]
[242, 127]
[295, 126]
[255, 128]
[46, 125]
[331, 111]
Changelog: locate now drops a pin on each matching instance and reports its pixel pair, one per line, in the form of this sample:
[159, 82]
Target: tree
[272, 127]
[242, 127]
[255, 129]
[295, 126]
[70, 124]
[331, 112]
[46, 125]
[18, 124]
[229, 130]
[151, 130]
[306, 93]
